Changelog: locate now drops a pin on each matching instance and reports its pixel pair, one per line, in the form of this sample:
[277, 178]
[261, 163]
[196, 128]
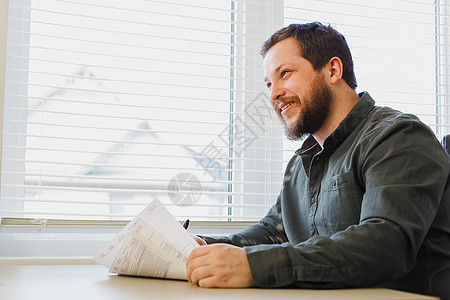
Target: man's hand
[199, 240]
[219, 265]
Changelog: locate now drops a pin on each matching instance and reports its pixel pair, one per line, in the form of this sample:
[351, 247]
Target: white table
[92, 282]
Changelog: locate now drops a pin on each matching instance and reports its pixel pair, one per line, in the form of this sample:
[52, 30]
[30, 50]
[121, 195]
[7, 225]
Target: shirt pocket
[340, 204]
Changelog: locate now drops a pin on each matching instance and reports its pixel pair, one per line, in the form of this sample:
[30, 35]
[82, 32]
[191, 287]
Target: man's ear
[336, 69]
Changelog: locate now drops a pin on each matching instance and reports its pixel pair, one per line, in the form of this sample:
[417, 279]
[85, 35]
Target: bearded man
[365, 201]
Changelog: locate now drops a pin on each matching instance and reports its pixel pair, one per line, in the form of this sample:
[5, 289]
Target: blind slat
[136, 203]
[39, 214]
[130, 191]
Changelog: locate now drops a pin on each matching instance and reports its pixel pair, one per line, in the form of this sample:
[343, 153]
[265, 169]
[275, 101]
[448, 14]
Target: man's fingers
[219, 265]
[200, 273]
[208, 282]
[196, 260]
[199, 240]
[200, 251]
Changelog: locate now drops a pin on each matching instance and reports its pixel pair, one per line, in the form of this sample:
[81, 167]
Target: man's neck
[341, 105]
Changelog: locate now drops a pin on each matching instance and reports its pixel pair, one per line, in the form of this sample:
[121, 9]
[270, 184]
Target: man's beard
[314, 110]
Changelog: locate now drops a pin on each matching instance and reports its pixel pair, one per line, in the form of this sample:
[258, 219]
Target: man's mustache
[285, 100]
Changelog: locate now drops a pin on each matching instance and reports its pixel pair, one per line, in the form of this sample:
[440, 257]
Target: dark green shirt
[372, 208]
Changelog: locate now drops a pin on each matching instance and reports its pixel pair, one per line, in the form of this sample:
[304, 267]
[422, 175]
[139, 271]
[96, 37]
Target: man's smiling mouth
[286, 107]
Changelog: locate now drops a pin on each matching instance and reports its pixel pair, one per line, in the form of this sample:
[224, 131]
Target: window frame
[17, 236]
[3, 30]
[55, 238]
[442, 73]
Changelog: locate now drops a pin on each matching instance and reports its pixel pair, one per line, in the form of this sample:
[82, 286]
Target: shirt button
[334, 184]
[313, 200]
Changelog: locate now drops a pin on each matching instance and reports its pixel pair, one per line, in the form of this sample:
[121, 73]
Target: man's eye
[268, 85]
[284, 72]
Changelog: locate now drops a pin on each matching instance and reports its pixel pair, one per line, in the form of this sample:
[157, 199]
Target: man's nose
[276, 93]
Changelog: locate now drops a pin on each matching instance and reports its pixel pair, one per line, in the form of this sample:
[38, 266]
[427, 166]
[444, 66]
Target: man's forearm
[261, 233]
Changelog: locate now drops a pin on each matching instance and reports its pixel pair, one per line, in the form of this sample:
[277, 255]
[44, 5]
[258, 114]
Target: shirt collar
[355, 117]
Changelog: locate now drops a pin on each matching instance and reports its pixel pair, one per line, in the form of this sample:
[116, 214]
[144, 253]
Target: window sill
[31, 261]
[83, 242]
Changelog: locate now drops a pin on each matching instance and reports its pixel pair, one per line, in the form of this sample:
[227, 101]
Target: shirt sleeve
[268, 231]
[404, 172]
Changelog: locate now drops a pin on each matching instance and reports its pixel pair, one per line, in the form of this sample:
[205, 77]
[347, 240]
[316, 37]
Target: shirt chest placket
[315, 178]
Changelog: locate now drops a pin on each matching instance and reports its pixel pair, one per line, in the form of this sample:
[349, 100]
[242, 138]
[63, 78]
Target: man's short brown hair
[317, 44]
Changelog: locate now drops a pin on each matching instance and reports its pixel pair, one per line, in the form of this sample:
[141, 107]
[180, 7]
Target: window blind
[108, 105]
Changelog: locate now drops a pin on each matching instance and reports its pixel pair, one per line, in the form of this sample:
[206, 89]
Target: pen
[186, 224]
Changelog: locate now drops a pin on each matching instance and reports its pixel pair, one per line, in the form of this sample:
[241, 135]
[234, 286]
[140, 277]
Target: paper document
[153, 244]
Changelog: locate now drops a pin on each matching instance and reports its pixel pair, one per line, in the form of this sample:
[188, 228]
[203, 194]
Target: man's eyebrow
[276, 70]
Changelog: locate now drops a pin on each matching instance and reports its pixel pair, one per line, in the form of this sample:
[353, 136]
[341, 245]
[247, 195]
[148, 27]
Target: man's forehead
[283, 50]
[289, 44]
[283, 53]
